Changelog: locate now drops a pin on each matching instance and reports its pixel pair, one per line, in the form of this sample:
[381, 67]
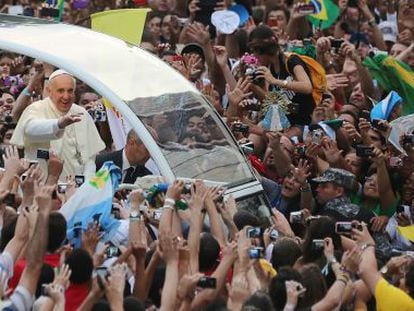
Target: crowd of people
[323, 114]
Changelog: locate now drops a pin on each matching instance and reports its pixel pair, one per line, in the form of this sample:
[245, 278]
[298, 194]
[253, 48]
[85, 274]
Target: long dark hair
[321, 228]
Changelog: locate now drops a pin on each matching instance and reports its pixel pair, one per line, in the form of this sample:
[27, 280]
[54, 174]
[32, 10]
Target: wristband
[169, 201]
[26, 92]
[366, 245]
[345, 271]
[344, 276]
[331, 260]
[168, 206]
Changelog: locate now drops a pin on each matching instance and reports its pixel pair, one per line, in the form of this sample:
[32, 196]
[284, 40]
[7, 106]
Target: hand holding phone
[207, 282]
[255, 232]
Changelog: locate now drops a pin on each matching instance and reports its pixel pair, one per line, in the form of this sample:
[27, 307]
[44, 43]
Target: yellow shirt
[390, 298]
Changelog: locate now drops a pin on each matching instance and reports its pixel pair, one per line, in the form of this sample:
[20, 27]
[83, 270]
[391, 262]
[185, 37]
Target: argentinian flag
[382, 110]
[93, 202]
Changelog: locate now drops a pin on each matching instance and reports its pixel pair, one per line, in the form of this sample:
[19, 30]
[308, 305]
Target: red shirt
[50, 259]
[75, 295]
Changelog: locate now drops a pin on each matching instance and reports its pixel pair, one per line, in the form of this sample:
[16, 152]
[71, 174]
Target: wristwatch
[134, 216]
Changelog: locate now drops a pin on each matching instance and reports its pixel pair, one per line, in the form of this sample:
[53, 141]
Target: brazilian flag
[393, 75]
[326, 13]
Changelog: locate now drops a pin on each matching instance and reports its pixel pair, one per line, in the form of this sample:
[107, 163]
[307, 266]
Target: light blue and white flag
[93, 202]
[382, 110]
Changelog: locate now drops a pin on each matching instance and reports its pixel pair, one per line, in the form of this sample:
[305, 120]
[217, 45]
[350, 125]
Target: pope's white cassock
[76, 144]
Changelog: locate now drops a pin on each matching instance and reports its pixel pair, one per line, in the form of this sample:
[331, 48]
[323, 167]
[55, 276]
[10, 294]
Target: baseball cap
[389, 31]
[337, 176]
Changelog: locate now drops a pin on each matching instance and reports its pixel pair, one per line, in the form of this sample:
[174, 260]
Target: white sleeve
[90, 168]
[42, 130]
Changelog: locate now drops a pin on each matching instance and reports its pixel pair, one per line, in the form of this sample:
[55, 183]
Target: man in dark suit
[131, 160]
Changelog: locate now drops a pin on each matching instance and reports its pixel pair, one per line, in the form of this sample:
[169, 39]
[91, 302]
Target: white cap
[389, 31]
[59, 72]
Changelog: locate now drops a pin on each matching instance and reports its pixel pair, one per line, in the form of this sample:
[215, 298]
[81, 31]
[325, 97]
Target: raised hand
[351, 259]
[264, 72]
[136, 197]
[168, 247]
[199, 33]
[199, 193]
[62, 277]
[221, 55]
[328, 248]
[274, 139]
[379, 223]
[187, 285]
[43, 197]
[323, 44]
[361, 236]
[301, 172]
[69, 119]
[331, 151]
[229, 208]
[336, 81]
[12, 163]
[352, 132]
[240, 92]
[90, 238]
[377, 155]
[115, 284]
[31, 213]
[174, 191]
[54, 165]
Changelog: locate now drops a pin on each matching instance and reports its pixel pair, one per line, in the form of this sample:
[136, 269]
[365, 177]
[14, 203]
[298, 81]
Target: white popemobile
[144, 90]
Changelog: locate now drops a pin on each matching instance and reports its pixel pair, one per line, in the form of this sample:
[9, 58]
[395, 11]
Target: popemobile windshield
[145, 91]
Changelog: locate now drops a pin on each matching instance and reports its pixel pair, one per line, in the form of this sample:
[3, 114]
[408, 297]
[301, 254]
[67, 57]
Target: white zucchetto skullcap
[59, 72]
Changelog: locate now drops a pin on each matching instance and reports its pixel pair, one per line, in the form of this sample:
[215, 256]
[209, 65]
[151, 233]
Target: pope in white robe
[56, 124]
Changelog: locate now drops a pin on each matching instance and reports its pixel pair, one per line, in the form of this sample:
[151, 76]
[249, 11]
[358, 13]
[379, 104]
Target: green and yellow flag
[393, 75]
[326, 14]
[126, 24]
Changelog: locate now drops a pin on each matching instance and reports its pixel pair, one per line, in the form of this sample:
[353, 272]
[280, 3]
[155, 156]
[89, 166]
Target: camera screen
[343, 227]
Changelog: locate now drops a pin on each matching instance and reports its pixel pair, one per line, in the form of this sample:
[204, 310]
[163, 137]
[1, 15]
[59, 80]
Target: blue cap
[382, 110]
[242, 12]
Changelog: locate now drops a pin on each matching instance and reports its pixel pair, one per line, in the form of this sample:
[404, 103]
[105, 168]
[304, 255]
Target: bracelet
[331, 260]
[344, 276]
[26, 92]
[366, 245]
[345, 271]
[169, 201]
[168, 206]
